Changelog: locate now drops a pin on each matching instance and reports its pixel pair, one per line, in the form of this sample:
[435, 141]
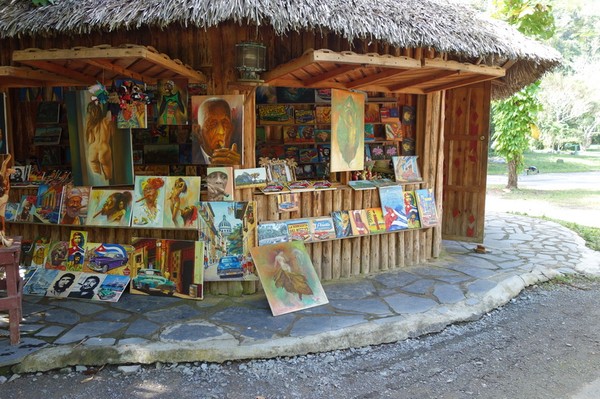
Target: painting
[109, 207]
[358, 222]
[47, 207]
[341, 223]
[412, 211]
[288, 277]
[279, 170]
[3, 124]
[111, 288]
[74, 205]
[26, 208]
[107, 258]
[228, 231]
[40, 281]
[148, 201]
[321, 228]
[427, 207]
[48, 112]
[11, 211]
[61, 286]
[182, 196]
[47, 135]
[101, 154]
[172, 102]
[249, 178]
[58, 251]
[406, 169]
[218, 130]
[219, 184]
[347, 131]
[375, 220]
[162, 267]
[296, 95]
[272, 233]
[87, 286]
[40, 251]
[161, 153]
[392, 206]
[76, 251]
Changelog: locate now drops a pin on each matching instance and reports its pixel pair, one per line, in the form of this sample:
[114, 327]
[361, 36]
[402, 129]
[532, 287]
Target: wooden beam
[108, 53]
[376, 77]
[63, 71]
[438, 63]
[425, 78]
[118, 70]
[339, 70]
[459, 83]
[22, 77]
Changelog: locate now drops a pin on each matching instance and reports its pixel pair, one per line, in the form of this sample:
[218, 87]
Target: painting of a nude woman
[105, 156]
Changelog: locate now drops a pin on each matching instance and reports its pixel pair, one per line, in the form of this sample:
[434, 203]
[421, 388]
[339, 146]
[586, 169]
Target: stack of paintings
[78, 269]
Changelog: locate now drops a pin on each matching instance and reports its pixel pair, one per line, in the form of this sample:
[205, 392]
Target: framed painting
[218, 130]
[109, 207]
[347, 131]
[288, 277]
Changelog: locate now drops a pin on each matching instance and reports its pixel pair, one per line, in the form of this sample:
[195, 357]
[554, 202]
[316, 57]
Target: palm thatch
[442, 25]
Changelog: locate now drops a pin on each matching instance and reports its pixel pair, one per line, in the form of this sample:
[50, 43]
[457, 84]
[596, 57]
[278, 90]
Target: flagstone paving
[367, 310]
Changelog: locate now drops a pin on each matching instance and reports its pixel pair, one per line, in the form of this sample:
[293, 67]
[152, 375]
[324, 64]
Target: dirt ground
[543, 344]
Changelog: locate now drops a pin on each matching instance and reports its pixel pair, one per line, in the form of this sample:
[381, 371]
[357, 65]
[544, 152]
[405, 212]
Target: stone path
[460, 285]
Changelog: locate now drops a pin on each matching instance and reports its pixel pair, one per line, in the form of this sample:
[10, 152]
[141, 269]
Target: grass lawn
[568, 199]
[588, 161]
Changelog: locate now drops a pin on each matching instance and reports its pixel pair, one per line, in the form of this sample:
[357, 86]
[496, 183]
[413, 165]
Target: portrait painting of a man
[217, 129]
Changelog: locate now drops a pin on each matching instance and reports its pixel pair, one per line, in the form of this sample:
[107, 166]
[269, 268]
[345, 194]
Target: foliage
[514, 117]
[534, 19]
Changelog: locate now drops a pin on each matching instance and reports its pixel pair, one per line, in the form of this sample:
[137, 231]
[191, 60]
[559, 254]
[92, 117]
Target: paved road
[553, 181]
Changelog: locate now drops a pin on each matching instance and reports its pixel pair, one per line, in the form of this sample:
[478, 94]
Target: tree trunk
[512, 175]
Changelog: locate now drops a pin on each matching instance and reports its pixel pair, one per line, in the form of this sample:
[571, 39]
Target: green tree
[514, 117]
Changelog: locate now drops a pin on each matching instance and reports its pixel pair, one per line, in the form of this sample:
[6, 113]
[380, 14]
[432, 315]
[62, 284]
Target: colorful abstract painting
[288, 277]
[347, 131]
[110, 207]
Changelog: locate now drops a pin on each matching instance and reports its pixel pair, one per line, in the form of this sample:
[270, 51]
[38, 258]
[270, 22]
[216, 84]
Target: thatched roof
[444, 26]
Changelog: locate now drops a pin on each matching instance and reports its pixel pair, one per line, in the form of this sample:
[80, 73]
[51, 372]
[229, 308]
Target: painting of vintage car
[104, 263]
[152, 281]
[230, 267]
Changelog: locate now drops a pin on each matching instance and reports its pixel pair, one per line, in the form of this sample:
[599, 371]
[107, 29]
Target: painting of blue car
[230, 267]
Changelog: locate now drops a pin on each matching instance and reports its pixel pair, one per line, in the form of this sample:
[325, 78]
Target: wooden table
[13, 285]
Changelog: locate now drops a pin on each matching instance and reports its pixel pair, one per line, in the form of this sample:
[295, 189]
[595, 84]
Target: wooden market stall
[448, 67]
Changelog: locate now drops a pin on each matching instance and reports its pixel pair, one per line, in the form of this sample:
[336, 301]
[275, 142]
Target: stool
[12, 283]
